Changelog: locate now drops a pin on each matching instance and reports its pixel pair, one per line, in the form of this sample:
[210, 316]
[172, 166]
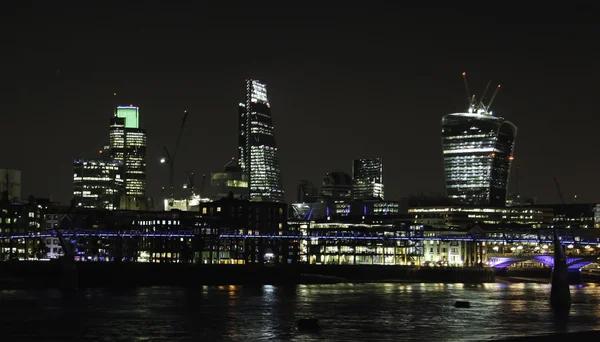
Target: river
[347, 312]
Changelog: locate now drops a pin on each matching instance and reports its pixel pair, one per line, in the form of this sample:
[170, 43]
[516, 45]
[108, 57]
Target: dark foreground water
[359, 312]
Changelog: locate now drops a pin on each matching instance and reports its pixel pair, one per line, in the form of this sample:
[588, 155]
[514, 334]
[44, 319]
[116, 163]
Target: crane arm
[562, 200]
[487, 109]
[180, 132]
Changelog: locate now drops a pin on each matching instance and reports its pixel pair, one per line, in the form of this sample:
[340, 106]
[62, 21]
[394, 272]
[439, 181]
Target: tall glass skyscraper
[367, 175]
[258, 154]
[128, 146]
[97, 183]
[478, 151]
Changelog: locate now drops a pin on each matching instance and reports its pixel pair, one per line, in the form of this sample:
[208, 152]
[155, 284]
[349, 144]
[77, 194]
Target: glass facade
[367, 177]
[131, 114]
[258, 154]
[128, 146]
[478, 150]
[97, 183]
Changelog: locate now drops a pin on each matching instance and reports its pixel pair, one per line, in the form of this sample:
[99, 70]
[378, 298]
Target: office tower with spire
[478, 150]
[128, 146]
[258, 153]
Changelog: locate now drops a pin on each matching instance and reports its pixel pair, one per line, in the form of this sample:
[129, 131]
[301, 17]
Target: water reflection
[374, 312]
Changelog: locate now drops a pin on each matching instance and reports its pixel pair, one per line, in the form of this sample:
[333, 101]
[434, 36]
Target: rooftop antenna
[487, 109]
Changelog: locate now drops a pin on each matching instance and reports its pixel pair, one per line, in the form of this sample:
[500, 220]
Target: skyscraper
[97, 183]
[478, 151]
[258, 154]
[367, 175]
[128, 145]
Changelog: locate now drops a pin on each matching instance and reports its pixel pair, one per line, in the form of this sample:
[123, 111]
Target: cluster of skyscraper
[477, 152]
[117, 178]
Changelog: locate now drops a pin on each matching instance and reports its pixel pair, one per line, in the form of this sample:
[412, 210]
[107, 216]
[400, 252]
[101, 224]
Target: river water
[347, 312]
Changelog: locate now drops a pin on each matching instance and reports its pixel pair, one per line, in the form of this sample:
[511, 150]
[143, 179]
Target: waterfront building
[478, 150]
[367, 176]
[575, 215]
[97, 183]
[467, 216]
[339, 250]
[257, 148]
[19, 219]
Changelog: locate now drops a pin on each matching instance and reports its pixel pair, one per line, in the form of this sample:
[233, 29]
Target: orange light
[511, 158]
[114, 94]
[499, 85]
[493, 154]
[99, 151]
[464, 74]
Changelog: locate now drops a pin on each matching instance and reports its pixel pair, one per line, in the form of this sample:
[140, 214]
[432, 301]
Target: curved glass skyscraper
[258, 154]
[478, 151]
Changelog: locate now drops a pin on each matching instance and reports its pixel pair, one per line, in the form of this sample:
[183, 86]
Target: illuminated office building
[478, 151]
[97, 183]
[128, 145]
[232, 181]
[367, 177]
[258, 154]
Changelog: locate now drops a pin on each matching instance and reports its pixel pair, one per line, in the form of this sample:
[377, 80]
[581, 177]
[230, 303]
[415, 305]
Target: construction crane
[169, 158]
[191, 185]
[479, 106]
[560, 195]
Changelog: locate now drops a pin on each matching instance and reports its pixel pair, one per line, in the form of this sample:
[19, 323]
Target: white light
[520, 247]
[496, 248]
[537, 248]
[570, 246]
[163, 160]
[471, 150]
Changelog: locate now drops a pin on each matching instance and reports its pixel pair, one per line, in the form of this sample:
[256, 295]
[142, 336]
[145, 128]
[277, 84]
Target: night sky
[343, 83]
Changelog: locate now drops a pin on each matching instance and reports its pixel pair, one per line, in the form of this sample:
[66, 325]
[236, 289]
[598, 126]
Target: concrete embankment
[90, 274]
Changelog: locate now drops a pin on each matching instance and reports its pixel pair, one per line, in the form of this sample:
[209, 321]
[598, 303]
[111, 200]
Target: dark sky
[343, 82]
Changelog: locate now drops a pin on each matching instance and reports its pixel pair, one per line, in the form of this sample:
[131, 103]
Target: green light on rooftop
[131, 116]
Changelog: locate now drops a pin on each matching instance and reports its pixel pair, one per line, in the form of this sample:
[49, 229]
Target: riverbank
[95, 274]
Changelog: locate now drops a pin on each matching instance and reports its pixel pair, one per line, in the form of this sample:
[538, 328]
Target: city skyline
[392, 93]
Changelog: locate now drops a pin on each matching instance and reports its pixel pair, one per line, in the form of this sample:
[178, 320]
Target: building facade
[231, 181]
[258, 153]
[478, 150]
[367, 175]
[128, 145]
[97, 183]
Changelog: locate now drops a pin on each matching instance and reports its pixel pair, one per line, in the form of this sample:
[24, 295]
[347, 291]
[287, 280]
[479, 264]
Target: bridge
[574, 263]
[538, 236]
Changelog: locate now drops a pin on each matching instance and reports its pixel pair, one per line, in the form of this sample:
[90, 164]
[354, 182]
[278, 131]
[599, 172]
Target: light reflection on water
[347, 312]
